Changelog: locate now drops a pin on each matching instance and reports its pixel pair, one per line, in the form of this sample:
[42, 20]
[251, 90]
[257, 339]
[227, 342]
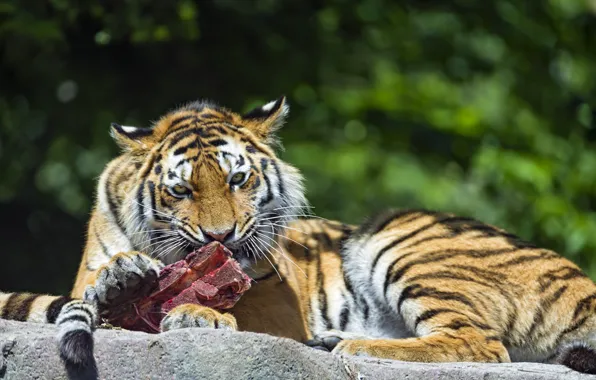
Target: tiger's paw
[329, 340]
[353, 347]
[126, 277]
[192, 315]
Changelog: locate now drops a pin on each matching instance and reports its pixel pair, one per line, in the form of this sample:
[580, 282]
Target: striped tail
[74, 318]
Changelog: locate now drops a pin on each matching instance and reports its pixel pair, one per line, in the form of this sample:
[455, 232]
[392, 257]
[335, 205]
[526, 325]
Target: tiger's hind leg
[441, 328]
[445, 346]
[445, 336]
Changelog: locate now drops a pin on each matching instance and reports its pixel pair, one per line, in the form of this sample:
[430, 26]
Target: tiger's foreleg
[111, 273]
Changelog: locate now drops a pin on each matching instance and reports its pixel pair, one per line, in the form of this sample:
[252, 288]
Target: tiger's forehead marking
[226, 151]
[232, 155]
[179, 168]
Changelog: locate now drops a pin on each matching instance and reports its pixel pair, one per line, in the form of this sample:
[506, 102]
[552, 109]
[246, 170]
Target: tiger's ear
[265, 120]
[132, 138]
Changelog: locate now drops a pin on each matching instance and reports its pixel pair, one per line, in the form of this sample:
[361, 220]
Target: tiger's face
[207, 174]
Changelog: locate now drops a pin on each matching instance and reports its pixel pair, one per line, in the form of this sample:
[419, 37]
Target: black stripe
[405, 294]
[210, 116]
[564, 273]
[584, 304]
[393, 264]
[140, 202]
[348, 283]
[171, 174]
[344, 317]
[217, 129]
[379, 222]
[104, 248]
[82, 309]
[322, 237]
[200, 129]
[55, 307]
[544, 306]
[77, 317]
[269, 196]
[264, 164]
[323, 307]
[430, 238]
[546, 255]
[183, 149]
[217, 142]
[484, 273]
[256, 184]
[429, 314]
[280, 184]
[179, 135]
[112, 206]
[152, 195]
[246, 139]
[457, 324]
[417, 291]
[576, 325]
[365, 310]
[179, 120]
[18, 306]
[450, 275]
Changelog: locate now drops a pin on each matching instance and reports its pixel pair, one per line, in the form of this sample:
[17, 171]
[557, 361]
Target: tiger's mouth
[254, 244]
[239, 249]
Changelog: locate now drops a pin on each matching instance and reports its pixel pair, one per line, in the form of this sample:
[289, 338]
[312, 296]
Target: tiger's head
[206, 173]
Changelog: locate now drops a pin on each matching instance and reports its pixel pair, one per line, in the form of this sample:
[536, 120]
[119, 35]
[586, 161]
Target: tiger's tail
[578, 355]
[75, 319]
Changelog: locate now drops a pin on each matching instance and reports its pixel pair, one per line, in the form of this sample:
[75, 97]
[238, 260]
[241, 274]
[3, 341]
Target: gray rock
[29, 351]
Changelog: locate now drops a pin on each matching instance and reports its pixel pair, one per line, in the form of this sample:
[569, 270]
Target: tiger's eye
[237, 178]
[180, 191]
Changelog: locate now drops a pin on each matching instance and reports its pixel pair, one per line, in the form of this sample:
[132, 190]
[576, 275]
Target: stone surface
[28, 351]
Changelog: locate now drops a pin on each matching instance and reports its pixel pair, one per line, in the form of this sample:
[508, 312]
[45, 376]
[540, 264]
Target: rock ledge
[28, 351]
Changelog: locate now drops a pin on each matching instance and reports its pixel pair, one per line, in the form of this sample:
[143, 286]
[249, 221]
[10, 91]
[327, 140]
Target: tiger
[410, 285]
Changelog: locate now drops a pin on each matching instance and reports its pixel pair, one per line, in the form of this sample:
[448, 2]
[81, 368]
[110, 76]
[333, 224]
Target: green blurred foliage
[484, 108]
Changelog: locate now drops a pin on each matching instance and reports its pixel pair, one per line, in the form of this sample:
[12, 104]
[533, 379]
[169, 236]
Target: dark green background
[485, 108]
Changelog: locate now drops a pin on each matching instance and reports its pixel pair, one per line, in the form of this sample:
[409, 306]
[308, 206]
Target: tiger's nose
[219, 235]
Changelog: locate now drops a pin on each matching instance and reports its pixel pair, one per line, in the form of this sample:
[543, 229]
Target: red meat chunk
[208, 277]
